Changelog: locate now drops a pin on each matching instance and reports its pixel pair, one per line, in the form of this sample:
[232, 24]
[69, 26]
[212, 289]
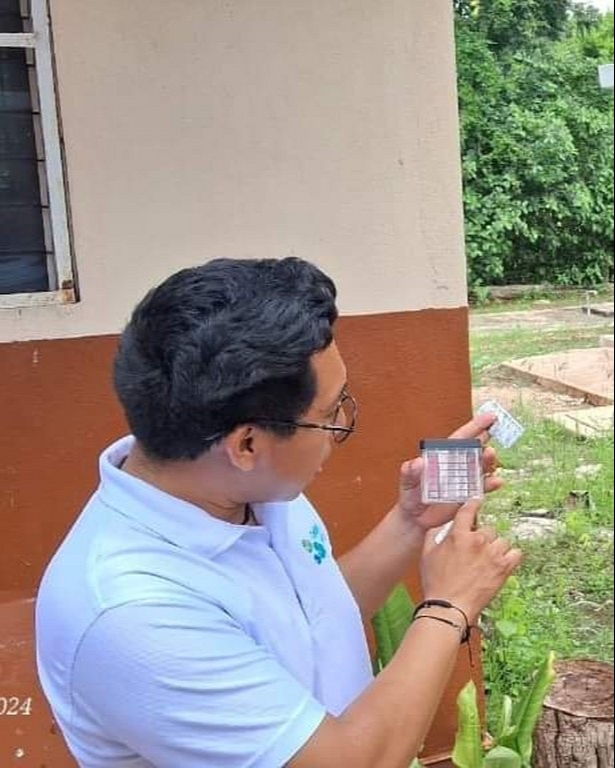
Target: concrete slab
[589, 422]
[586, 373]
[602, 310]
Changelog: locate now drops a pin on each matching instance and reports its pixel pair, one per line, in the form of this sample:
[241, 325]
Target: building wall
[192, 130]
[279, 127]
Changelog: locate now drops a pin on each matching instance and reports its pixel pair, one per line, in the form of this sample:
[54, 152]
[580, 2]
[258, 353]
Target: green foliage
[514, 740]
[537, 142]
[593, 33]
[468, 751]
[517, 723]
[561, 598]
[390, 625]
[519, 736]
[502, 757]
[510, 23]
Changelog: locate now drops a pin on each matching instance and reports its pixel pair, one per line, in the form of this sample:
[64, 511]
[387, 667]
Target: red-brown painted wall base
[409, 371]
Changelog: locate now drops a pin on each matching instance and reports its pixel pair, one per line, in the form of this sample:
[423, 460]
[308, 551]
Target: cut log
[576, 728]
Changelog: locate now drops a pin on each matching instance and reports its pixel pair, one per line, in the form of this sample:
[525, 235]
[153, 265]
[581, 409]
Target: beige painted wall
[325, 129]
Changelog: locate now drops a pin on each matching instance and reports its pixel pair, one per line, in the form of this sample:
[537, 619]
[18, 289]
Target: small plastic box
[452, 472]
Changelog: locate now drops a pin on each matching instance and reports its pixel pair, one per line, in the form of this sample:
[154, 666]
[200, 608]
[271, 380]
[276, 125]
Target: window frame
[61, 271]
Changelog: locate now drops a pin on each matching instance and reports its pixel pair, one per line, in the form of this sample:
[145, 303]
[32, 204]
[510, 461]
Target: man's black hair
[220, 345]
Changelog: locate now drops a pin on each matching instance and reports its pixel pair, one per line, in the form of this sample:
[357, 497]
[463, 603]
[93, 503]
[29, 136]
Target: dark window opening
[23, 248]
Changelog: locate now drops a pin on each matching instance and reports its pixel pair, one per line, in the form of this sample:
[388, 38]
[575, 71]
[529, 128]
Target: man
[194, 616]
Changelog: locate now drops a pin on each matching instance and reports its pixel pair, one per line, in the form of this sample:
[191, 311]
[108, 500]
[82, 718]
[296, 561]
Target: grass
[562, 597]
[544, 300]
[489, 349]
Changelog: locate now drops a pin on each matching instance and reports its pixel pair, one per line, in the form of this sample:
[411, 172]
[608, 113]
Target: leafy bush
[537, 142]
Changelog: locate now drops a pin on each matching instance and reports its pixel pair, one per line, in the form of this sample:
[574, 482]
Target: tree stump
[576, 728]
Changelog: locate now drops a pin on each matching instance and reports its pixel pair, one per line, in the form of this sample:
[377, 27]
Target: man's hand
[425, 517]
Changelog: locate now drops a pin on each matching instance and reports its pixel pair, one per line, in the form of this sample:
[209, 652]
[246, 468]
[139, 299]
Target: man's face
[286, 466]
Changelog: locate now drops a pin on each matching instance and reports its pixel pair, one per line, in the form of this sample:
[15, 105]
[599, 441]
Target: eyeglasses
[347, 407]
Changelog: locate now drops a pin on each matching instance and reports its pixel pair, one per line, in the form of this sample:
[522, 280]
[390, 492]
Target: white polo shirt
[169, 638]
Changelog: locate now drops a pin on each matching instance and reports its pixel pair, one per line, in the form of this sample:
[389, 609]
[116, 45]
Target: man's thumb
[411, 474]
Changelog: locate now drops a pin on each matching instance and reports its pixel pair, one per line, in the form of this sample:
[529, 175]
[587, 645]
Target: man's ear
[241, 447]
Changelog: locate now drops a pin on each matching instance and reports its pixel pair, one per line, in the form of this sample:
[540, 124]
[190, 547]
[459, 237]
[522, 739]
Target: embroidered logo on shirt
[316, 544]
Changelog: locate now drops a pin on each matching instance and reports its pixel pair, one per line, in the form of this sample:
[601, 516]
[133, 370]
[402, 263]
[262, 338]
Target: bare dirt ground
[523, 396]
[541, 318]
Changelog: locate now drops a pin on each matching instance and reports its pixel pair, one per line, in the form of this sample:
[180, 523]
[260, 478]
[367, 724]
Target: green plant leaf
[384, 643]
[391, 623]
[507, 628]
[501, 757]
[505, 727]
[468, 751]
[530, 708]
[376, 665]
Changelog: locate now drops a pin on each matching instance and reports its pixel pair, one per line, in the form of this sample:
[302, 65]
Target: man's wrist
[408, 528]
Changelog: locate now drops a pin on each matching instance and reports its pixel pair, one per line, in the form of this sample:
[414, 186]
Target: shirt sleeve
[185, 686]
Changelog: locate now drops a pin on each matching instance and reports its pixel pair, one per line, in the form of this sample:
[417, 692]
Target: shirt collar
[178, 521]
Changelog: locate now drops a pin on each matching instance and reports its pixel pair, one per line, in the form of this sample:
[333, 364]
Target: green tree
[537, 143]
[510, 23]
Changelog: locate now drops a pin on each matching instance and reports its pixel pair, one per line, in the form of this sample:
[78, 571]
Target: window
[35, 260]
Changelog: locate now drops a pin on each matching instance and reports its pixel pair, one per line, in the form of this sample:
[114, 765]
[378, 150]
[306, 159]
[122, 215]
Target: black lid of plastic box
[450, 445]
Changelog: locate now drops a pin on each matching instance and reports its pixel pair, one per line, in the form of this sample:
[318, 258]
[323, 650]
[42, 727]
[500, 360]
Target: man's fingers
[465, 519]
[478, 427]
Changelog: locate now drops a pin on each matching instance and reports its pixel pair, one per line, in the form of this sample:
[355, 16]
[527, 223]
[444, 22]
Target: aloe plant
[391, 623]
[512, 747]
[514, 739]
[519, 735]
[501, 757]
[468, 751]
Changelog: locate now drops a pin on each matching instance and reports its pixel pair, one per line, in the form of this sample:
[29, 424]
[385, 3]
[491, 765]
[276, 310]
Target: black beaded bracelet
[434, 603]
